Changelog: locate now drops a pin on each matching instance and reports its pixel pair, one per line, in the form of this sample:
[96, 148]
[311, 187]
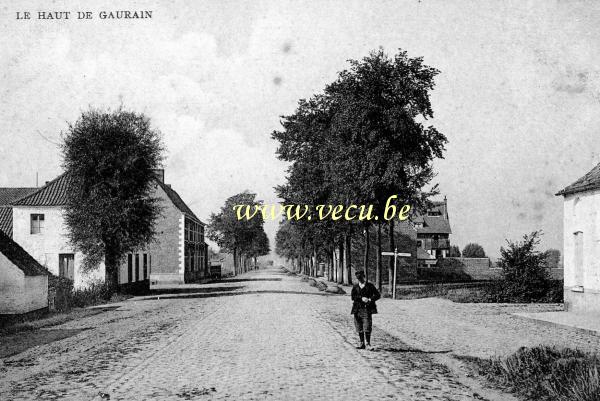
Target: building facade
[433, 233]
[38, 226]
[581, 236]
[177, 255]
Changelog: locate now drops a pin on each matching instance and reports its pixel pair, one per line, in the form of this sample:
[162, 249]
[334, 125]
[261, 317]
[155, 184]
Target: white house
[38, 226]
[582, 243]
[23, 281]
[177, 256]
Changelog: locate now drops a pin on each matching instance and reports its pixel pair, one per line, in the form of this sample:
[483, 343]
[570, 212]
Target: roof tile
[586, 183]
[6, 220]
[8, 195]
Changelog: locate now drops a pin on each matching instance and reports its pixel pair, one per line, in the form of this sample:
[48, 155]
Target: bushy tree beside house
[473, 250]
[110, 158]
[525, 276]
[522, 264]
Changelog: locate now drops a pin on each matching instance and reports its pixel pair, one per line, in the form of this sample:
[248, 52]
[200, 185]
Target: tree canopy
[110, 158]
[239, 236]
[360, 141]
[473, 250]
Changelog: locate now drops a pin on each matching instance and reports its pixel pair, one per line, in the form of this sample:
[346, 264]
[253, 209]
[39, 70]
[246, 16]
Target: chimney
[160, 174]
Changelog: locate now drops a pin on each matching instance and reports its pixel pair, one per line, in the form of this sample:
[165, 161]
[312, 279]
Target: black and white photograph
[300, 200]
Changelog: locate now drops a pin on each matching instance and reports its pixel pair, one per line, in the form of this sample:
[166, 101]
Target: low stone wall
[476, 268]
[483, 269]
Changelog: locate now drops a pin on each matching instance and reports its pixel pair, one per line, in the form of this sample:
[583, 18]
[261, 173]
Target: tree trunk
[235, 262]
[111, 270]
[391, 259]
[348, 259]
[331, 264]
[367, 249]
[340, 274]
[379, 264]
[316, 263]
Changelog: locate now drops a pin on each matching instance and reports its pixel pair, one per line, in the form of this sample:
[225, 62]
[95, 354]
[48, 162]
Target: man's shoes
[361, 346]
[369, 347]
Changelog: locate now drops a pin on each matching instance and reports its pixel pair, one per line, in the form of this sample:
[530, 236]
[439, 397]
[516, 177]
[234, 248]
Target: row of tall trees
[244, 238]
[359, 142]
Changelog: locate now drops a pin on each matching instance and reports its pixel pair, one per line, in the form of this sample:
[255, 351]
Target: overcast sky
[518, 95]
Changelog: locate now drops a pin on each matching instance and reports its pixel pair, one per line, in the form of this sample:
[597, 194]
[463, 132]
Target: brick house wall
[165, 254]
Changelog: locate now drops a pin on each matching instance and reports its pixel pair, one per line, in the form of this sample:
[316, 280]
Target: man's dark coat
[369, 291]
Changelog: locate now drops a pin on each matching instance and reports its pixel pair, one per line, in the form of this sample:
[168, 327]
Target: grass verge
[544, 373]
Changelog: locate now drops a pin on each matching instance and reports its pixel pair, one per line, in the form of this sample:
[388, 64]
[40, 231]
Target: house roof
[6, 220]
[8, 195]
[177, 201]
[588, 182]
[20, 258]
[434, 224]
[55, 193]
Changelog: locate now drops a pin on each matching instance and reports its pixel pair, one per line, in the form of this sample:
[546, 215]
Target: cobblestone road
[265, 336]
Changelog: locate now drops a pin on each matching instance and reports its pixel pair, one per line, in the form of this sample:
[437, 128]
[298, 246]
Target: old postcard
[300, 200]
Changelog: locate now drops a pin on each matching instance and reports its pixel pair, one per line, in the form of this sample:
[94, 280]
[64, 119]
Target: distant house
[177, 255]
[8, 195]
[581, 216]
[433, 232]
[224, 262]
[23, 281]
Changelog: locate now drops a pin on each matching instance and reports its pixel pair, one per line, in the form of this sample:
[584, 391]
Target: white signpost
[395, 254]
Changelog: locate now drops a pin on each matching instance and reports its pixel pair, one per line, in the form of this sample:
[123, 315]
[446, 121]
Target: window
[145, 266]
[129, 268]
[37, 223]
[137, 267]
[66, 265]
[578, 262]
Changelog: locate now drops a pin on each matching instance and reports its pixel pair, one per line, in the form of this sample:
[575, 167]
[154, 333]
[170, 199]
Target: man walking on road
[364, 295]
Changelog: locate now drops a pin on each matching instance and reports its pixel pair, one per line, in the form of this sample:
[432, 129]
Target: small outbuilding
[23, 281]
[582, 243]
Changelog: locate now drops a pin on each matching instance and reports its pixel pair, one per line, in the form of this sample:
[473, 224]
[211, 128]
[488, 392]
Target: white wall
[582, 213]
[20, 293]
[52, 241]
